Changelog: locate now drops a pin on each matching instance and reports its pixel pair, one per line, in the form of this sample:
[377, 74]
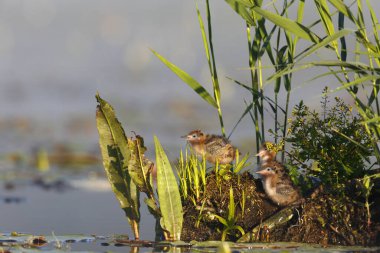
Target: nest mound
[326, 219]
[323, 219]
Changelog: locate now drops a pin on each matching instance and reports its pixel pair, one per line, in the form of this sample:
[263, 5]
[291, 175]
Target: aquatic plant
[192, 176]
[116, 154]
[168, 194]
[209, 52]
[229, 222]
[274, 36]
[332, 146]
[327, 141]
[357, 76]
[130, 172]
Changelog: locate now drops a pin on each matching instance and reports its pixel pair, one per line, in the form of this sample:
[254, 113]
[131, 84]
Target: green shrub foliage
[331, 146]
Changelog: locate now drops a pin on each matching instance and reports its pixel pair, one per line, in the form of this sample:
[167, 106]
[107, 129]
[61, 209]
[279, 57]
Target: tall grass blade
[344, 9]
[168, 194]
[354, 66]
[213, 71]
[361, 36]
[343, 50]
[246, 111]
[240, 7]
[209, 50]
[198, 88]
[300, 14]
[375, 23]
[325, 42]
[325, 15]
[241, 164]
[376, 85]
[288, 25]
[357, 81]
[204, 38]
[373, 120]
[231, 206]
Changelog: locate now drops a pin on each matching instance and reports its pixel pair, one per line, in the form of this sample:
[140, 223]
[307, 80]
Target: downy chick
[278, 186]
[276, 181]
[215, 148]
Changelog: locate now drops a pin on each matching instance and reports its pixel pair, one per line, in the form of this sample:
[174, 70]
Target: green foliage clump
[332, 145]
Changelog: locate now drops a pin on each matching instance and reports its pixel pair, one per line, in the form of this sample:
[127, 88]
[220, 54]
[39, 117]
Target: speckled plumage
[276, 181]
[215, 148]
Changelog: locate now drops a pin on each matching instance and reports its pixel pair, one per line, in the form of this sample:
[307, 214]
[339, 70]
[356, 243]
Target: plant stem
[254, 88]
[285, 121]
[261, 98]
[214, 75]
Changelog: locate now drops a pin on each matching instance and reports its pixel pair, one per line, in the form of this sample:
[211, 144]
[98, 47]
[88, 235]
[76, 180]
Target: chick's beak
[261, 153]
[263, 172]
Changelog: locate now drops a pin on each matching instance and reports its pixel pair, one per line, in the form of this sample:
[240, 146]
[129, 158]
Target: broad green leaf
[168, 194]
[288, 25]
[198, 88]
[140, 167]
[116, 130]
[153, 208]
[115, 153]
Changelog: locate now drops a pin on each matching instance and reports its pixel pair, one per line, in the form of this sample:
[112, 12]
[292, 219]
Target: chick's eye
[194, 136]
[268, 169]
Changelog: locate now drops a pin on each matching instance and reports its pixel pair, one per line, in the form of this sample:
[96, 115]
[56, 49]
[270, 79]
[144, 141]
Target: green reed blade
[326, 18]
[168, 194]
[198, 88]
[375, 23]
[288, 25]
[355, 66]
[357, 81]
[209, 50]
[240, 7]
[341, 7]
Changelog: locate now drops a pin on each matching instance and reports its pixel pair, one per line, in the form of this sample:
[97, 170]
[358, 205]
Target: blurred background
[55, 55]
